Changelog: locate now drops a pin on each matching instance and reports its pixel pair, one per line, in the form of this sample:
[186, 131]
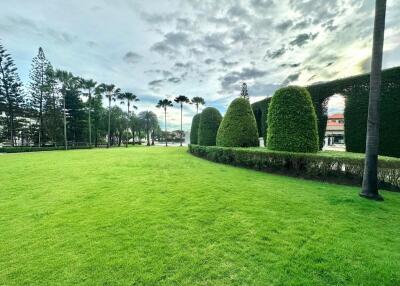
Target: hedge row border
[338, 169]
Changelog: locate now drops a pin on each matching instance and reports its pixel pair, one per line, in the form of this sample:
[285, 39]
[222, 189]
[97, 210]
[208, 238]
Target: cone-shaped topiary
[194, 130]
[239, 126]
[210, 120]
[292, 122]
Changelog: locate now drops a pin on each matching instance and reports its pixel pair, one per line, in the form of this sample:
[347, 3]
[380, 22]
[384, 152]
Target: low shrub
[194, 130]
[210, 120]
[38, 149]
[346, 169]
[292, 122]
[238, 127]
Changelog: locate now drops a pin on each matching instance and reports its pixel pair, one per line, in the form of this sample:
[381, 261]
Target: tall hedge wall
[356, 91]
[260, 110]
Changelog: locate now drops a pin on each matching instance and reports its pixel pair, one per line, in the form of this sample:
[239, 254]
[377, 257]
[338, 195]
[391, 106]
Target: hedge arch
[356, 91]
[194, 130]
[210, 120]
[238, 127]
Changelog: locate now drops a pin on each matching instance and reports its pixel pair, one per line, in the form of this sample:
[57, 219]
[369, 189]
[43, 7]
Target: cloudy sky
[164, 48]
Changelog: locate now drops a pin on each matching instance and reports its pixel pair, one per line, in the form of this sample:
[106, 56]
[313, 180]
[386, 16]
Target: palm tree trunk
[65, 126]
[181, 125]
[109, 121]
[165, 126]
[90, 122]
[370, 178]
[127, 128]
[197, 108]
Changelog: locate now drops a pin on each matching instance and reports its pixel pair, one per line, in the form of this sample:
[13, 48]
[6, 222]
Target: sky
[164, 48]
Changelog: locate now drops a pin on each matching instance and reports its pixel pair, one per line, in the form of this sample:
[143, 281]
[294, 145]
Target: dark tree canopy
[210, 120]
[292, 122]
[194, 131]
[238, 127]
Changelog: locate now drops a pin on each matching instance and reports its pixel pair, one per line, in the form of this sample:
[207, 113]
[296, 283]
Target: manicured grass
[159, 216]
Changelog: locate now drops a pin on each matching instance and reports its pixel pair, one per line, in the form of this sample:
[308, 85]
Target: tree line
[58, 108]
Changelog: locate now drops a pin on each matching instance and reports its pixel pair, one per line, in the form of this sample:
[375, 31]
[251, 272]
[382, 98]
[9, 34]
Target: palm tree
[198, 101]
[111, 92]
[181, 100]
[149, 119]
[370, 178]
[67, 81]
[89, 86]
[128, 97]
[164, 103]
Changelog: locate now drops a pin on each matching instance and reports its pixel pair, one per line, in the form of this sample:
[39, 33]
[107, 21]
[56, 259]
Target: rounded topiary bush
[239, 126]
[194, 130]
[292, 122]
[210, 120]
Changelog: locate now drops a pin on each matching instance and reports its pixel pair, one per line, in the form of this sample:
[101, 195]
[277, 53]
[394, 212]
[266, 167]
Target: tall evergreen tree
[39, 87]
[11, 96]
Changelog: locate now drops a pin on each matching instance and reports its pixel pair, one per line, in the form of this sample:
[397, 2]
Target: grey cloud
[174, 79]
[238, 12]
[154, 18]
[291, 78]
[214, 41]
[273, 54]
[290, 65]
[226, 63]
[156, 82]
[209, 61]
[238, 34]
[302, 39]
[261, 89]
[172, 41]
[283, 26]
[131, 57]
[229, 80]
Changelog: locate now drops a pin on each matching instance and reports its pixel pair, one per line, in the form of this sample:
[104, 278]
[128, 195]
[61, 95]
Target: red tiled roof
[332, 123]
[336, 116]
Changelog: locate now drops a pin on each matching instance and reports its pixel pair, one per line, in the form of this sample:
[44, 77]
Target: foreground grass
[159, 216]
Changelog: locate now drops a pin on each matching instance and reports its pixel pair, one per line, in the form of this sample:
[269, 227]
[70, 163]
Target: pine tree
[243, 92]
[39, 87]
[11, 97]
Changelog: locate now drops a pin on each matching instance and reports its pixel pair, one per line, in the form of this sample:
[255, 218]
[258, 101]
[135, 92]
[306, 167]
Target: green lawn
[159, 216]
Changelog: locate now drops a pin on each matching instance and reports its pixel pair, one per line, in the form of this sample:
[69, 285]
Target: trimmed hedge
[238, 127]
[38, 149]
[347, 168]
[292, 122]
[194, 130]
[210, 120]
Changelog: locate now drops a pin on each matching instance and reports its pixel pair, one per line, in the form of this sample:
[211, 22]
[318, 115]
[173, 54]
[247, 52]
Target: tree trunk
[370, 178]
[65, 125]
[90, 122]
[181, 126]
[109, 121]
[40, 118]
[127, 128]
[165, 126]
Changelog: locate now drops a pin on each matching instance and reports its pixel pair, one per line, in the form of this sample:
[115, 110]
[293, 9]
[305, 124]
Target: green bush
[238, 127]
[194, 130]
[260, 110]
[346, 168]
[210, 120]
[292, 122]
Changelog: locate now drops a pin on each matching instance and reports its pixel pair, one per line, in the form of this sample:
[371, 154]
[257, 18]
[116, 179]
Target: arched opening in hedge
[334, 138]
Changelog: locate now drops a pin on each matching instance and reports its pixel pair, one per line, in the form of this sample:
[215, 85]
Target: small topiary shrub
[194, 131]
[239, 127]
[210, 120]
[292, 122]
